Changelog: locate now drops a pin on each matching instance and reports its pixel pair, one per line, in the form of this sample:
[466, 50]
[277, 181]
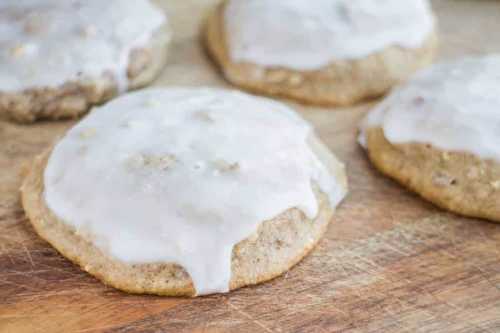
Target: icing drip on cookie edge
[186, 174]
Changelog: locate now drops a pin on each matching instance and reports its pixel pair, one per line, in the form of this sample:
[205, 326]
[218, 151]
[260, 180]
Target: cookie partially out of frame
[278, 244]
[438, 135]
[79, 91]
[456, 181]
[340, 83]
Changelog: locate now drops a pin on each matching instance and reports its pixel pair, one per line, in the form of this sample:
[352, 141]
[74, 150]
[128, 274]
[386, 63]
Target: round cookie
[185, 191]
[327, 52]
[438, 135]
[59, 58]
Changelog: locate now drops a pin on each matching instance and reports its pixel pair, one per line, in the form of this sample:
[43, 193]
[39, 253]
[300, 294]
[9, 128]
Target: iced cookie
[58, 58]
[439, 136]
[331, 52]
[185, 191]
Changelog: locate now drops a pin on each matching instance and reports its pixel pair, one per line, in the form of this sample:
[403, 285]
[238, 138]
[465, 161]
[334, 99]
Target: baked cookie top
[307, 35]
[46, 43]
[453, 106]
[182, 175]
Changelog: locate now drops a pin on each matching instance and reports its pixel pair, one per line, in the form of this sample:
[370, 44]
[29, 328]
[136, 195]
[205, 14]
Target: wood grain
[389, 262]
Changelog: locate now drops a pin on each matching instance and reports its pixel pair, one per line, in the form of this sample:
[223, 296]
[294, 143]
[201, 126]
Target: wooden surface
[389, 262]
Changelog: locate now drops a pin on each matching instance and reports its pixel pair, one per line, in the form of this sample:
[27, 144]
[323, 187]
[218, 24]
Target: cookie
[327, 52]
[438, 135]
[185, 191]
[59, 58]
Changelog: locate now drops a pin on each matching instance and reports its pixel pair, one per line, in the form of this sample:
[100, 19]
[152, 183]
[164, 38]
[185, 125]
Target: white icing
[46, 43]
[453, 106]
[182, 175]
[310, 34]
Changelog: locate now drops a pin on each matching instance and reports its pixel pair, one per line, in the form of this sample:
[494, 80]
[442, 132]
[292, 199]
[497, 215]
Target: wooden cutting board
[390, 262]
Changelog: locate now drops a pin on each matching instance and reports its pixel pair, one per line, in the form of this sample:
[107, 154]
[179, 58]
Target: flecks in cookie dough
[328, 52]
[439, 135]
[186, 179]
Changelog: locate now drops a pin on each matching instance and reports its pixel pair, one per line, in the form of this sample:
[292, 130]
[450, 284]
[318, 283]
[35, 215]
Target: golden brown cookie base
[341, 83]
[278, 244]
[456, 181]
[73, 99]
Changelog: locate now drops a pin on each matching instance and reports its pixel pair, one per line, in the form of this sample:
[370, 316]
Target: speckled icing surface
[307, 35]
[182, 175]
[454, 106]
[46, 43]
